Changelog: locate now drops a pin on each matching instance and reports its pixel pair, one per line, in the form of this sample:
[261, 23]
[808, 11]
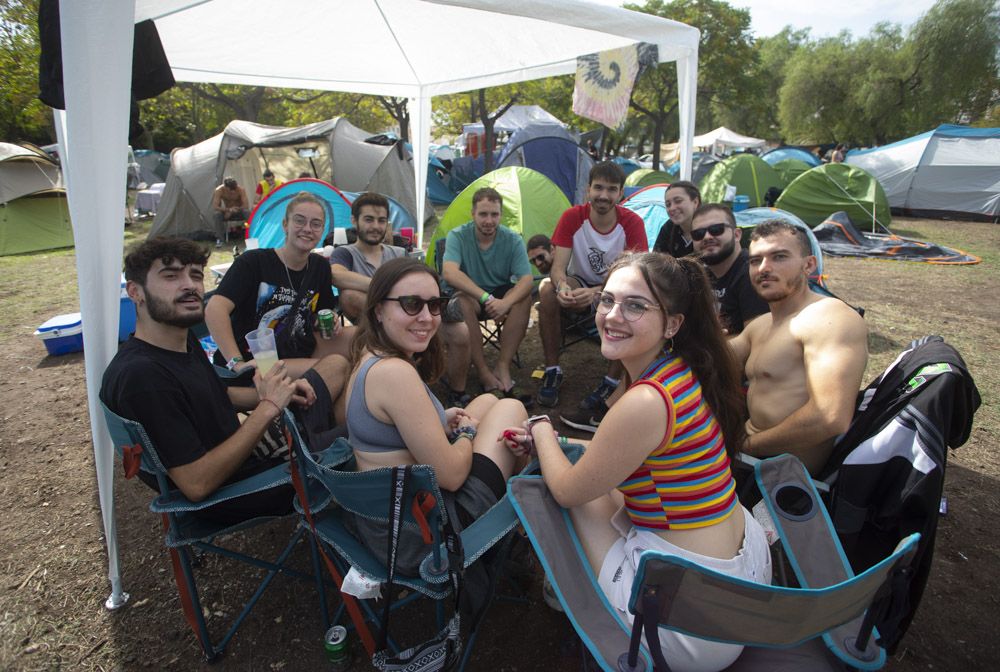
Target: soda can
[325, 318]
[335, 643]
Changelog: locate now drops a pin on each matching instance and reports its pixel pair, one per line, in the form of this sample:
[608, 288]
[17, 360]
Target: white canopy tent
[363, 46]
[724, 139]
[515, 118]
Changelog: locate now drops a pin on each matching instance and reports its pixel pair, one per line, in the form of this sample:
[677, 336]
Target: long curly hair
[681, 287]
[371, 336]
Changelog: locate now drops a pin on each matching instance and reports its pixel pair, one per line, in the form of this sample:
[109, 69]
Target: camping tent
[789, 169]
[244, 150]
[750, 175]
[825, 189]
[722, 140]
[515, 118]
[552, 151]
[532, 204]
[649, 204]
[839, 237]
[952, 170]
[783, 153]
[153, 166]
[645, 177]
[33, 210]
[539, 40]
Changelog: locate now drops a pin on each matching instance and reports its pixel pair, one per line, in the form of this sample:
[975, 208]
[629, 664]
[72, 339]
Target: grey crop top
[367, 433]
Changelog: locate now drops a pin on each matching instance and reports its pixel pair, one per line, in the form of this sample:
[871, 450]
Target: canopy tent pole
[687, 93]
[97, 57]
[420, 135]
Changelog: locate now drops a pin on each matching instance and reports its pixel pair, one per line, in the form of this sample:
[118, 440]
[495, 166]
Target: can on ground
[325, 318]
[335, 643]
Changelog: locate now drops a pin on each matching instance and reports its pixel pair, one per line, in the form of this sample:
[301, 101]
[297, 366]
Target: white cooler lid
[59, 326]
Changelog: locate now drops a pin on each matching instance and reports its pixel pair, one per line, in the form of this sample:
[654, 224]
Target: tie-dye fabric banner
[604, 82]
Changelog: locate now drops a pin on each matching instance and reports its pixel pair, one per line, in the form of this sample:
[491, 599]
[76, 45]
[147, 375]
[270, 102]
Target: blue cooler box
[62, 334]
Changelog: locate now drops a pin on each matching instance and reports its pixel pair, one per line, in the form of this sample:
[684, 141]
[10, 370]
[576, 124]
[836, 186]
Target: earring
[670, 345]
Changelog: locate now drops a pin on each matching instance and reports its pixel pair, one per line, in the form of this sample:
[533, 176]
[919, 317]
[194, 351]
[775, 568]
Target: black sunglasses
[537, 258]
[412, 304]
[715, 229]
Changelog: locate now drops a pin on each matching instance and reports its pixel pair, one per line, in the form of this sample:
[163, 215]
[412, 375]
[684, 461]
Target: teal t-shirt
[503, 263]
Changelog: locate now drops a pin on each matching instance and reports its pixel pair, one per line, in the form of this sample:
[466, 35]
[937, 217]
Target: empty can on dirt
[337, 651]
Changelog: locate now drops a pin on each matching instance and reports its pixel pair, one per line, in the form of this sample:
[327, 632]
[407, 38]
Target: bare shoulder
[393, 372]
[829, 318]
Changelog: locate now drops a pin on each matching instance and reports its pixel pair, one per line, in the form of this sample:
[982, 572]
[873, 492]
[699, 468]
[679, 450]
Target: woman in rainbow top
[656, 475]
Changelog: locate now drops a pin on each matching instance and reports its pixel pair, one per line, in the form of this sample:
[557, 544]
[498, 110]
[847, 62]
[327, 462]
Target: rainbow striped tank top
[686, 481]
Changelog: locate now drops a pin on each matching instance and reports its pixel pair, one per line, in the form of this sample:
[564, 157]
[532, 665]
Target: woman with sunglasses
[656, 475]
[394, 419]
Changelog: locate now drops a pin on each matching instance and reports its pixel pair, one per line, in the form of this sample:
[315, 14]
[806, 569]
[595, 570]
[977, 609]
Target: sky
[823, 17]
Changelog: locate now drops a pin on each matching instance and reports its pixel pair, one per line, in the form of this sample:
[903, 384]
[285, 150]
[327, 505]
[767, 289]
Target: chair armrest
[175, 501]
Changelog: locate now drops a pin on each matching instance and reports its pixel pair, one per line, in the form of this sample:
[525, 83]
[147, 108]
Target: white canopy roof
[727, 139]
[364, 46]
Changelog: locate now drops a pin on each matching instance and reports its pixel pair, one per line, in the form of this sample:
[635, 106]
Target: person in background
[681, 199]
[540, 252]
[266, 185]
[229, 204]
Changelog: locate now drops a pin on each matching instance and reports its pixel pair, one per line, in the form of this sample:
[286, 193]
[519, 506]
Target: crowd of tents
[949, 172]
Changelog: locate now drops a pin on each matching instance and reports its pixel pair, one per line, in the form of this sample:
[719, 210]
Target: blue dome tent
[785, 153]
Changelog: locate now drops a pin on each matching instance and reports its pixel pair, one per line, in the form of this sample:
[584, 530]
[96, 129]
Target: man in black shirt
[681, 199]
[162, 379]
[716, 241]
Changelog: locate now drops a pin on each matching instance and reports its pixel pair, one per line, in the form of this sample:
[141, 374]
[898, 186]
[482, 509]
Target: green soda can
[325, 318]
[335, 643]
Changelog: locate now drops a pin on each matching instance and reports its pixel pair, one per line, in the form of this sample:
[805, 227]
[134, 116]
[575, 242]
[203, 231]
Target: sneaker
[601, 394]
[456, 399]
[548, 393]
[586, 420]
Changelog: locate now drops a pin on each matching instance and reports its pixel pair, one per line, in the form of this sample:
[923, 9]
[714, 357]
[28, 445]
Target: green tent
[750, 174]
[824, 190]
[34, 214]
[646, 177]
[789, 169]
[532, 204]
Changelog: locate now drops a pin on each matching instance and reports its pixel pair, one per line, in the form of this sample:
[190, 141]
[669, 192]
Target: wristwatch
[231, 364]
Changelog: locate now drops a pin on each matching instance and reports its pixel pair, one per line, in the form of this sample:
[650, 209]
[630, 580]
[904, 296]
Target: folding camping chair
[186, 530]
[367, 494]
[780, 626]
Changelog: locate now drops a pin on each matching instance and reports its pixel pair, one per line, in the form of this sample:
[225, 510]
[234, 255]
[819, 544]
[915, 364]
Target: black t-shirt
[737, 301]
[176, 396]
[670, 240]
[268, 294]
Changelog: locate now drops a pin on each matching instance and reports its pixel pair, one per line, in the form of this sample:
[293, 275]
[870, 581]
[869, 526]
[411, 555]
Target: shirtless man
[804, 360]
[229, 202]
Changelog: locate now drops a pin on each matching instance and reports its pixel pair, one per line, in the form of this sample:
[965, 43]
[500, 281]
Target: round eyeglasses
[632, 309]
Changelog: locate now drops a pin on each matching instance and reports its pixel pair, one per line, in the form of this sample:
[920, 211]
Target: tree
[22, 115]
[725, 59]
[398, 110]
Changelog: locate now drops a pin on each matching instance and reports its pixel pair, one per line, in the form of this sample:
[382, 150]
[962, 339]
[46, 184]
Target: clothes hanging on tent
[604, 82]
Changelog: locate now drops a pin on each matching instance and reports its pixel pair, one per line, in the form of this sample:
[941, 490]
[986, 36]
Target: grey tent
[333, 150]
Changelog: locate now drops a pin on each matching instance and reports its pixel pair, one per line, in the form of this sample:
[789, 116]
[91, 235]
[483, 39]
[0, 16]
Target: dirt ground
[53, 563]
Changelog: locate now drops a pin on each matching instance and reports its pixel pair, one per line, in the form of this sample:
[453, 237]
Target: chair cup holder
[794, 502]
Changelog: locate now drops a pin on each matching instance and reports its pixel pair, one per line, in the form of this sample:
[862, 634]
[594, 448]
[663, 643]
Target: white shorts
[683, 652]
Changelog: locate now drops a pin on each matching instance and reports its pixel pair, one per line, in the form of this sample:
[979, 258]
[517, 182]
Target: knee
[333, 367]
[352, 302]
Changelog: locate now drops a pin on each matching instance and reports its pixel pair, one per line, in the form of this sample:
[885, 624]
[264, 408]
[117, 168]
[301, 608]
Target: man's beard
[721, 255]
[372, 237]
[783, 290]
[160, 311]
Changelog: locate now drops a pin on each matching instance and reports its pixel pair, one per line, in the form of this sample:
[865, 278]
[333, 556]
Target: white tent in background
[363, 46]
[515, 118]
[952, 170]
[721, 140]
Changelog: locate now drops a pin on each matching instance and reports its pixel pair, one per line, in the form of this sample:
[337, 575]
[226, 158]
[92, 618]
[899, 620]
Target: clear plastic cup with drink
[265, 353]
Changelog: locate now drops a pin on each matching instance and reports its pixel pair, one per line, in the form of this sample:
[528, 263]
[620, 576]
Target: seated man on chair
[229, 204]
[283, 289]
[804, 359]
[354, 265]
[587, 240]
[162, 379]
[488, 266]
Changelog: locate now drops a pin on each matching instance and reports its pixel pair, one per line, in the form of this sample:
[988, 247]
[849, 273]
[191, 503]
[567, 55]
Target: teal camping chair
[367, 494]
[186, 530]
[783, 628]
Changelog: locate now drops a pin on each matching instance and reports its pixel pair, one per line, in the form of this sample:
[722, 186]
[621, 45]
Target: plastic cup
[265, 353]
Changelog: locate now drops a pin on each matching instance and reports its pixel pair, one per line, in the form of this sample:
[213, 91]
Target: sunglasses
[412, 305]
[715, 229]
[537, 259]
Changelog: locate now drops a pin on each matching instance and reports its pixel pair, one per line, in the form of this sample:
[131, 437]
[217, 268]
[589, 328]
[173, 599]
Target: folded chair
[367, 494]
[186, 530]
[783, 628]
